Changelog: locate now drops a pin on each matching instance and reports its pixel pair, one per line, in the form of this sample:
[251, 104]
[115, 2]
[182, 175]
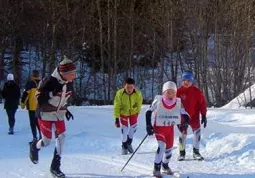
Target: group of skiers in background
[175, 106]
[46, 101]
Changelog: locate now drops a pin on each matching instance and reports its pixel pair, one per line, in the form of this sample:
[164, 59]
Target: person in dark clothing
[28, 99]
[11, 94]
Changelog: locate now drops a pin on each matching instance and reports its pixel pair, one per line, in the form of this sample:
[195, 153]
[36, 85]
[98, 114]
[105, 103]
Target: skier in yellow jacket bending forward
[127, 106]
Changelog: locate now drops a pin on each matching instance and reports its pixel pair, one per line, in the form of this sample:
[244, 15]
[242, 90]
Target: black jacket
[52, 97]
[11, 94]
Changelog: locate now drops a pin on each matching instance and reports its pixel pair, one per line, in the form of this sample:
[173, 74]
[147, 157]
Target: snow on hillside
[241, 99]
[93, 147]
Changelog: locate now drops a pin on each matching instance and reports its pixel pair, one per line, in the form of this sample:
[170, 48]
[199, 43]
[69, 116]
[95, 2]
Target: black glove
[185, 126]
[204, 120]
[117, 122]
[149, 129]
[69, 115]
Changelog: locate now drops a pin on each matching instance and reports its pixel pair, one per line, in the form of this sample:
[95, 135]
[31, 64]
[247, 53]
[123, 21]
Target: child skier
[52, 96]
[168, 112]
[127, 105]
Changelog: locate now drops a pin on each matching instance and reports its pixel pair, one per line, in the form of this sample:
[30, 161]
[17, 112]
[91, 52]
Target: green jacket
[127, 105]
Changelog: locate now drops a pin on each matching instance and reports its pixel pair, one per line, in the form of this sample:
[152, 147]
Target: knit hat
[10, 77]
[188, 76]
[169, 85]
[66, 66]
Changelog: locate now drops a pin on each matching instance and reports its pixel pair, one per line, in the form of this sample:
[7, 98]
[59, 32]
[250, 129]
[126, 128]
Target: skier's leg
[32, 120]
[11, 120]
[160, 136]
[38, 127]
[196, 139]
[46, 129]
[133, 126]
[168, 151]
[35, 145]
[60, 136]
[60, 140]
[124, 131]
[182, 143]
[132, 130]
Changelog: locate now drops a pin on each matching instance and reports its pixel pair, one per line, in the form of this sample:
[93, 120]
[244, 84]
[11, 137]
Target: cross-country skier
[168, 111]
[194, 103]
[52, 96]
[127, 106]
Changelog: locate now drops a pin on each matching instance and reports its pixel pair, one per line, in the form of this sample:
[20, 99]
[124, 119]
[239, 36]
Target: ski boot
[129, 145]
[166, 169]
[33, 152]
[197, 155]
[11, 132]
[156, 170]
[55, 166]
[124, 150]
[182, 155]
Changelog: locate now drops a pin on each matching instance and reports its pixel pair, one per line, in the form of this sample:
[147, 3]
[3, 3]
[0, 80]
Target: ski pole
[134, 152]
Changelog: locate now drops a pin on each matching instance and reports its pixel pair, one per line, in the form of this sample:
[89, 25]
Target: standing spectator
[11, 94]
[28, 99]
[194, 103]
[127, 106]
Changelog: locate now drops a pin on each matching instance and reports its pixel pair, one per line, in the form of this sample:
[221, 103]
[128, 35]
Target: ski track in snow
[92, 147]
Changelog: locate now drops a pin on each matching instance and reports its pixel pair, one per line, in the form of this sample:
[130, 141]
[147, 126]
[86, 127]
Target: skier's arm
[148, 114]
[151, 109]
[117, 103]
[45, 91]
[25, 94]
[140, 102]
[202, 103]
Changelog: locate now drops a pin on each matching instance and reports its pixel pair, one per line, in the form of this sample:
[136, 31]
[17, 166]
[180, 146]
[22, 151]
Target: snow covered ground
[93, 147]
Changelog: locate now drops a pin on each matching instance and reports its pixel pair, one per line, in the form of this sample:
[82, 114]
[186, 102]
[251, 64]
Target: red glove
[117, 122]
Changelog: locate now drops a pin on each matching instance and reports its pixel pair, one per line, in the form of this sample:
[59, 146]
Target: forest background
[150, 40]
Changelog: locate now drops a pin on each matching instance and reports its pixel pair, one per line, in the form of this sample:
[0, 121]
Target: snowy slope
[93, 147]
[241, 99]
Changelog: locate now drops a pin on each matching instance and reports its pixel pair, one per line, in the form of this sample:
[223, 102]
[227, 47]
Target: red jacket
[193, 101]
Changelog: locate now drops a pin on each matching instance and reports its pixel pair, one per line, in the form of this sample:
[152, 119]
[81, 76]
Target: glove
[69, 115]
[149, 129]
[184, 126]
[117, 122]
[204, 120]
[22, 105]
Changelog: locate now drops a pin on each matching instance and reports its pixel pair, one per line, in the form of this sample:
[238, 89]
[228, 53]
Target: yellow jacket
[127, 105]
[28, 96]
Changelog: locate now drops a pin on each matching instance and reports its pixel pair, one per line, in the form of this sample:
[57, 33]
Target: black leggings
[34, 124]
[11, 117]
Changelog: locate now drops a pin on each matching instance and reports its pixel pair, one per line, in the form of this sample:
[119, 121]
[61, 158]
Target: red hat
[66, 66]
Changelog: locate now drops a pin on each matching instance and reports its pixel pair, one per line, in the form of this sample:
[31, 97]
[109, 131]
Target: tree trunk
[53, 42]
[2, 52]
[16, 59]
[101, 48]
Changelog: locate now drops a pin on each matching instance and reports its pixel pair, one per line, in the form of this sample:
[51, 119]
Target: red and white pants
[47, 127]
[165, 138]
[128, 126]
